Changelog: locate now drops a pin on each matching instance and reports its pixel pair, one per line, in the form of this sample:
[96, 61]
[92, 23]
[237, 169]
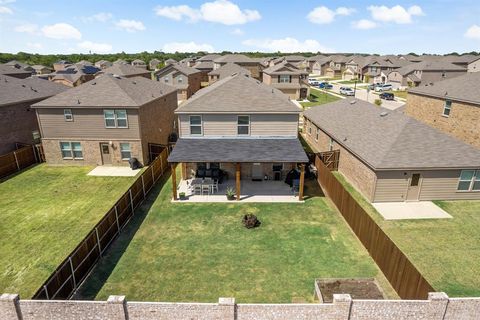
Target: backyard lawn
[200, 252]
[45, 212]
[446, 251]
[318, 97]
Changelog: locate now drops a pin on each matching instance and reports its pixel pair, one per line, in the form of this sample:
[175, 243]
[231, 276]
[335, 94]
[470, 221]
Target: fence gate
[330, 159]
[154, 150]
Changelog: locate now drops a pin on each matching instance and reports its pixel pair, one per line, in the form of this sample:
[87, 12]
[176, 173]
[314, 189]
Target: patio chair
[205, 189]
[214, 186]
[197, 189]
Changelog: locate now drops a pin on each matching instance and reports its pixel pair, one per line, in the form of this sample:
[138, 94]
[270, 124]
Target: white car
[383, 87]
[347, 91]
[313, 82]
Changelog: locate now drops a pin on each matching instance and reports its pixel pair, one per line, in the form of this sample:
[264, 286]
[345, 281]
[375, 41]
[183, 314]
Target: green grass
[45, 212]
[349, 82]
[200, 252]
[319, 97]
[446, 251]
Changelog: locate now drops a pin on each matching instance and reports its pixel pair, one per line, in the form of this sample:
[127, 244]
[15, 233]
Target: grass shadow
[100, 273]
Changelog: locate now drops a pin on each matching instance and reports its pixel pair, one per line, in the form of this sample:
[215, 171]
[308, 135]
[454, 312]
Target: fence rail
[407, 281]
[65, 280]
[17, 160]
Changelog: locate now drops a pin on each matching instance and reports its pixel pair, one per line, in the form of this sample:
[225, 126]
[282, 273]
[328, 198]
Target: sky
[107, 26]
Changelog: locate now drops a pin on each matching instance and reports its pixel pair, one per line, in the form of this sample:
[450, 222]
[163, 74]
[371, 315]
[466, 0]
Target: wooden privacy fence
[18, 160]
[65, 280]
[330, 159]
[407, 281]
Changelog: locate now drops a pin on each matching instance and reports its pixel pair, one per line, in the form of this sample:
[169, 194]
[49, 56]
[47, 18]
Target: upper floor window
[469, 180]
[180, 79]
[165, 79]
[195, 125]
[317, 134]
[373, 69]
[71, 150]
[243, 125]
[447, 108]
[330, 145]
[67, 114]
[284, 78]
[115, 118]
[125, 151]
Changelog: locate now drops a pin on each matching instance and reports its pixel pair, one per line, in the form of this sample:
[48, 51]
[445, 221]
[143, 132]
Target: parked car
[347, 91]
[383, 87]
[313, 82]
[374, 85]
[325, 85]
[387, 96]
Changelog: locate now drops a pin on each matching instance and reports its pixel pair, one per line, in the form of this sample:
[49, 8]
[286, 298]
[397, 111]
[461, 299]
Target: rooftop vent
[384, 114]
[134, 82]
[78, 101]
[116, 76]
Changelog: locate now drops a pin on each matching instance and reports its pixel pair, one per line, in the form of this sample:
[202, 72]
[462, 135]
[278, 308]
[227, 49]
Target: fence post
[116, 217]
[153, 173]
[16, 160]
[98, 242]
[73, 273]
[46, 292]
[35, 154]
[161, 164]
[131, 200]
[143, 187]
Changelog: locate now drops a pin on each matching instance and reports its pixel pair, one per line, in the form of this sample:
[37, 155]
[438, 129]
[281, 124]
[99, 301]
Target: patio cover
[238, 150]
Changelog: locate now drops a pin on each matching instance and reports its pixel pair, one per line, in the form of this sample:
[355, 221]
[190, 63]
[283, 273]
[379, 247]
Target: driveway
[410, 210]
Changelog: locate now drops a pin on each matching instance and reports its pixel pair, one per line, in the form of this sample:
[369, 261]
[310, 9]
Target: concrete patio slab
[410, 210]
[106, 171]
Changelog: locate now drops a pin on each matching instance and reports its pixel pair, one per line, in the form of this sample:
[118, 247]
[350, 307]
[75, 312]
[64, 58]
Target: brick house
[18, 122]
[452, 106]
[107, 121]
[226, 71]
[252, 65]
[288, 79]
[187, 80]
[126, 70]
[388, 156]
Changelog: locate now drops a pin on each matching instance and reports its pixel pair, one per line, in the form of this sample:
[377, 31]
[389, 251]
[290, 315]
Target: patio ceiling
[237, 150]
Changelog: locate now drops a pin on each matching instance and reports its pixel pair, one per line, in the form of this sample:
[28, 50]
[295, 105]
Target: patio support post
[302, 182]
[237, 181]
[184, 171]
[174, 181]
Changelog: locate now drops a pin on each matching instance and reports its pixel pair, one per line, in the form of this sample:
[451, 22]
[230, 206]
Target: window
[447, 108]
[67, 114]
[71, 150]
[309, 128]
[277, 167]
[180, 79]
[165, 79]
[125, 151]
[331, 144]
[195, 125]
[284, 78]
[243, 125]
[115, 118]
[415, 180]
[469, 180]
[317, 134]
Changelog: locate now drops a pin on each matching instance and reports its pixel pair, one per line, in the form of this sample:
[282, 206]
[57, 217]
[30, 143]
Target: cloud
[35, 45]
[473, 32]
[324, 15]
[130, 25]
[218, 11]
[187, 47]
[364, 24]
[95, 47]
[396, 14]
[61, 31]
[5, 10]
[286, 45]
[6, 1]
[238, 32]
[99, 17]
[27, 28]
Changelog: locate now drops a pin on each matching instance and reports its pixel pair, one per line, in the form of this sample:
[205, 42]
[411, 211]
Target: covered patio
[255, 170]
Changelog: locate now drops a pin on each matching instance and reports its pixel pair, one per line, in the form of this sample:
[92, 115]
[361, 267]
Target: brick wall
[462, 122]
[438, 307]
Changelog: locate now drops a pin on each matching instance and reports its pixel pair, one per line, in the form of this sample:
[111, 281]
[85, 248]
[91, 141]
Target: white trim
[243, 125]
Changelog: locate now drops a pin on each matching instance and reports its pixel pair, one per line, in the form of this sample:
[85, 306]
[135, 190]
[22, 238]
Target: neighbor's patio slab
[106, 171]
[410, 210]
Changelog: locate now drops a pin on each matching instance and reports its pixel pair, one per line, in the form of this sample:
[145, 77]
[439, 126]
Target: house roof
[228, 70]
[238, 150]
[110, 91]
[317, 57]
[186, 70]
[429, 65]
[14, 90]
[238, 93]
[203, 65]
[283, 68]
[6, 70]
[388, 140]
[464, 88]
[236, 58]
[209, 57]
[125, 70]
[138, 61]
[294, 58]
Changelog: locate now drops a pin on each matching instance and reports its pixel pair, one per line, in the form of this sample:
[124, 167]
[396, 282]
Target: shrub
[378, 102]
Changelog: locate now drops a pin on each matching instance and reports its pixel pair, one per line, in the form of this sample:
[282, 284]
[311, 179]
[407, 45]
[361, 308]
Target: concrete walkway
[106, 171]
[410, 210]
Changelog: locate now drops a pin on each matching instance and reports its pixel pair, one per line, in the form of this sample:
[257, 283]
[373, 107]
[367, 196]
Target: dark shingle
[13, 90]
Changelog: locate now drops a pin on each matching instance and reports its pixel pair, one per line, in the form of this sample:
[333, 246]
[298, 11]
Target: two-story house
[452, 106]
[187, 80]
[242, 60]
[226, 71]
[137, 63]
[336, 66]
[288, 79]
[107, 121]
[243, 127]
[126, 70]
[103, 64]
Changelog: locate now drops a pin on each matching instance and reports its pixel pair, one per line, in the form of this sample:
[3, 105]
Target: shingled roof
[283, 68]
[125, 70]
[109, 91]
[430, 65]
[388, 140]
[465, 88]
[235, 58]
[238, 93]
[11, 70]
[179, 67]
[228, 70]
[14, 90]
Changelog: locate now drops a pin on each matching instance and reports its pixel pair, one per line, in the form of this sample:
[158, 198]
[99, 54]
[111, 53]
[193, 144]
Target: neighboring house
[288, 79]
[388, 156]
[187, 80]
[14, 72]
[103, 64]
[320, 65]
[127, 71]
[61, 65]
[336, 66]
[107, 121]
[226, 71]
[241, 126]
[18, 123]
[452, 106]
[19, 65]
[74, 75]
[84, 63]
[425, 72]
[153, 64]
[205, 65]
[311, 62]
[120, 62]
[40, 69]
[170, 61]
[137, 63]
[250, 64]
[469, 61]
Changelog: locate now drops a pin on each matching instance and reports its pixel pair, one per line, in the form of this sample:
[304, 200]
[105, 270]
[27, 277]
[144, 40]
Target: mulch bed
[357, 288]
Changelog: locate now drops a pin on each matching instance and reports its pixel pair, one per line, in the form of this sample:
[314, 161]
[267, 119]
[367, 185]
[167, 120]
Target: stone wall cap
[226, 301]
[116, 299]
[9, 297]
[341, 298]
[437, 296]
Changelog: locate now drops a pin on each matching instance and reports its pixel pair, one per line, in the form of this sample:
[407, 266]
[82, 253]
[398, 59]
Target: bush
[378, 102]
